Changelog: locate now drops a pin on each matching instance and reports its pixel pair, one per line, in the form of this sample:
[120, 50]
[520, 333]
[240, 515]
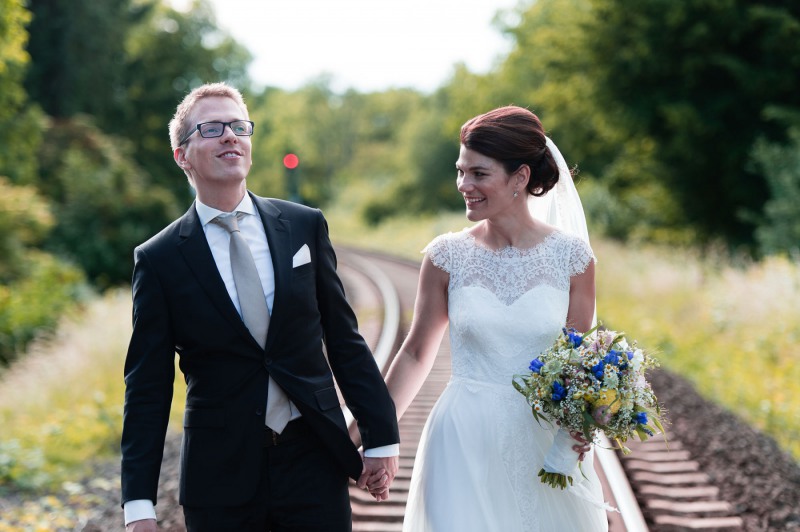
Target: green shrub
[32, 304]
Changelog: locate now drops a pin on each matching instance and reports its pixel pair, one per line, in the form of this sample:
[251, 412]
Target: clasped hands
[377, 475]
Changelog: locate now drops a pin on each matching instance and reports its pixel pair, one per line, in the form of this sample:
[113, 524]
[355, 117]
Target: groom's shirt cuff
[383, 452]
[139, 509]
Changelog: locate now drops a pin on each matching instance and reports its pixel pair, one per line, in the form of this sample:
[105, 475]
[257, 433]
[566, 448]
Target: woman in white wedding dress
[506, 286]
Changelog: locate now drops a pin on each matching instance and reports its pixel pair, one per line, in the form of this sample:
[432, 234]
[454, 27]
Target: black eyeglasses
[209, 130]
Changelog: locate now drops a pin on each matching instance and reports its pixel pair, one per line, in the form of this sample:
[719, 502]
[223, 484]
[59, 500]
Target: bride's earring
[516, 193]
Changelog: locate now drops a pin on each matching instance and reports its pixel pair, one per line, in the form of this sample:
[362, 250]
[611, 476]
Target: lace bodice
[505, 306]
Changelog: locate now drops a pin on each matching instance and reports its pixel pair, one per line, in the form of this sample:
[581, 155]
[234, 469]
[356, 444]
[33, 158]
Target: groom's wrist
[383, 452]
[139, 509]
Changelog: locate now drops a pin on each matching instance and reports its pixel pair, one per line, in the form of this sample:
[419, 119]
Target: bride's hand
[584, 447]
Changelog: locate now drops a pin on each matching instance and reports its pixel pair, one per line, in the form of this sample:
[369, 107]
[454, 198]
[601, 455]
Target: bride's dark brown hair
[514, 136]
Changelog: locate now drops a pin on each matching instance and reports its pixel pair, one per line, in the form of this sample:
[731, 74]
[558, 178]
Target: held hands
[377, 476]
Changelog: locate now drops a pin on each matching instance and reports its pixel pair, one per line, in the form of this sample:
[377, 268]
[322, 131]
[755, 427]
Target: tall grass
[733, 330]
[61, 412]
[61, 404]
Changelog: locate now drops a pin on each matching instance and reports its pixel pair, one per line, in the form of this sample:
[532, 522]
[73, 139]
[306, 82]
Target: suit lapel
[279, 235]
[194, 248]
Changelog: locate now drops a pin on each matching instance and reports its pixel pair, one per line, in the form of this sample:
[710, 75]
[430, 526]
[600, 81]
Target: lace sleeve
[580, 256]
[440, 253]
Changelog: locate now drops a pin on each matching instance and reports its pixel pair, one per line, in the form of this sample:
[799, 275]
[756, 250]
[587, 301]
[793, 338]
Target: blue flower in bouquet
[612, 357]
[536, 365]
[559, 392]
[574, 338]
[599, 370]
[641, 418]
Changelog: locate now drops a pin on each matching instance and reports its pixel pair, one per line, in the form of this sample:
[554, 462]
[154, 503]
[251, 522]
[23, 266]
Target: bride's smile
[484, 184]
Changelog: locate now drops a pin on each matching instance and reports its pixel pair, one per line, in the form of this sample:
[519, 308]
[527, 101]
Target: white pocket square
[303, 256]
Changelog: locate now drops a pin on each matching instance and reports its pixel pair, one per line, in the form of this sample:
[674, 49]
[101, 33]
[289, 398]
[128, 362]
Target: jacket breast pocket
[327, 398]
[204, 417]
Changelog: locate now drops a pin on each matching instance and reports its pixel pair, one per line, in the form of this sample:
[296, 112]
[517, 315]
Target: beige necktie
[254, 312]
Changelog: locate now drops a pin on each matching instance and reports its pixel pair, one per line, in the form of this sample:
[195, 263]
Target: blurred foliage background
[683, 119]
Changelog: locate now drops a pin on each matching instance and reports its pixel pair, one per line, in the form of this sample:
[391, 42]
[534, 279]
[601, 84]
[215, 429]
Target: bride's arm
[415, 358]
[582, 300]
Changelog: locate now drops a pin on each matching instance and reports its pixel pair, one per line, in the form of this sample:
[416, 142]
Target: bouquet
[587, 383]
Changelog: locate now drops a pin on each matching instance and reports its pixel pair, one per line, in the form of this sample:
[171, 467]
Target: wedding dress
[480, 451]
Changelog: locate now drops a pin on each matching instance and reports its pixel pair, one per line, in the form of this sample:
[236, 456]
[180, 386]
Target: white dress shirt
[252, 230]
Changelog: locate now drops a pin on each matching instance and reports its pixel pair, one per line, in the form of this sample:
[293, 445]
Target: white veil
[561, 206]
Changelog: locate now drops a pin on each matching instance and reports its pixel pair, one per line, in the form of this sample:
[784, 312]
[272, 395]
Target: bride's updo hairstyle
[513, 136]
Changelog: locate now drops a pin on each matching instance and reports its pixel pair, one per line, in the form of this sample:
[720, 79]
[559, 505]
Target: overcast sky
[369, 45]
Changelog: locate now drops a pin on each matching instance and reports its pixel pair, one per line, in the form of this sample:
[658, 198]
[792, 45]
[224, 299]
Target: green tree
[316, 124]
[550, 71]
[110, 73]
[426, 145]
[79, 56]
[20, 124]
[779, 228]
[105, 203]
[658, 104]
[127, 63]
[340, 139]
[695, 79]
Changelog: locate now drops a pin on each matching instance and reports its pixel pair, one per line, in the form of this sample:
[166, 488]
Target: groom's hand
[377, 476]
[144, 525]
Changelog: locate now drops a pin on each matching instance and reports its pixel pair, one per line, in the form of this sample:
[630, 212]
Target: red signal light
[291, 161]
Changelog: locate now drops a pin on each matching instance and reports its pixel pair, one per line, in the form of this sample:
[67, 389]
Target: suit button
[267, 361]
[259, 411]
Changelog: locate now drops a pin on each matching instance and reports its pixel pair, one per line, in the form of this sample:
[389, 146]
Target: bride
[506, 286]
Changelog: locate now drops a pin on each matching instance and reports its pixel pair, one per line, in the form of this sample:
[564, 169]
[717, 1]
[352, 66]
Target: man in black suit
[238, 473]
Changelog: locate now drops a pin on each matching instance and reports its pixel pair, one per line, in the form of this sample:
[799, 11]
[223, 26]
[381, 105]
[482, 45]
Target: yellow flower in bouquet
[608, 398]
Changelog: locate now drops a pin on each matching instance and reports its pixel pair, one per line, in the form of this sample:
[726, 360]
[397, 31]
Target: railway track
[656, 488]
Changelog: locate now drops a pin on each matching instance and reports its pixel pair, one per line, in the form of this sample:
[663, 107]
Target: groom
[265, 444]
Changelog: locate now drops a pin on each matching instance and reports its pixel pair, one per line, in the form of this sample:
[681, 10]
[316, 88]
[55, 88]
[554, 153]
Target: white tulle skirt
[476, 469]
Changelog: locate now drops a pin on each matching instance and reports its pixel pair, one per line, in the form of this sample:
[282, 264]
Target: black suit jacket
[180, 304]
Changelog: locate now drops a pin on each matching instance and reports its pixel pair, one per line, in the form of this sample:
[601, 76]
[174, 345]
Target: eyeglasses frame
[222, 131]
